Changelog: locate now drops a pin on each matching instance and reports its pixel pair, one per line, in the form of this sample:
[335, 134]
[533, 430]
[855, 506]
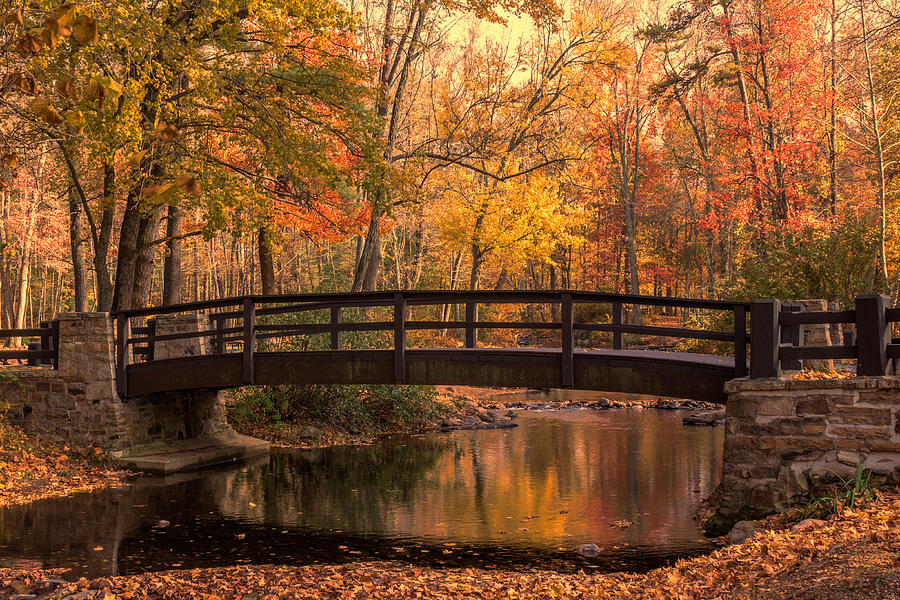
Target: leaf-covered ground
[852, 556]
[31, 469]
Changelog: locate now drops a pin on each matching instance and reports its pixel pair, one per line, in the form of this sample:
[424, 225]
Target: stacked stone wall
[79, 403]
[790, 441]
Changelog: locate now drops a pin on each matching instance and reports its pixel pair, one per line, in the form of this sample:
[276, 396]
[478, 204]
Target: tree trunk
[102, 243]
[881, 274]
[75, 234]
[369, 262]
[24, 279]
[173, 271]
[128, 253]
[148, 233]
[266, 262]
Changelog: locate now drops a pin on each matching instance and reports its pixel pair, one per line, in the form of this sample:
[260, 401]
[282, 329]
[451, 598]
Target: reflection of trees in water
[575, 472]
[352, 487]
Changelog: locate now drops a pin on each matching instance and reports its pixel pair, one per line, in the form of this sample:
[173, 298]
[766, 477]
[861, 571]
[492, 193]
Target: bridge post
[151, 342]
[335, 321]
[249, 342]
[765, 333]
[399, 338]
[617, 319]
[740, 340]
[567, 319]
[471, 330]
[873, 334]
[123, 332]
[220, 335]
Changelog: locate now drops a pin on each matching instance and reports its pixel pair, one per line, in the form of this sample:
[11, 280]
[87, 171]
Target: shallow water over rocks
[625, 480]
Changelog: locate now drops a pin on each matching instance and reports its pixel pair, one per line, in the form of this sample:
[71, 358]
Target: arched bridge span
[568, 339]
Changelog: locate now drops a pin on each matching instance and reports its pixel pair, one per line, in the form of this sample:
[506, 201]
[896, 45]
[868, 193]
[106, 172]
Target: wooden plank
[399, 338]
[249, 341]
[873, 335]
[816, 352]
[740, 341]
[29, 332]
[567, 318]
[26, 354]
[817, 317]
[765, 335]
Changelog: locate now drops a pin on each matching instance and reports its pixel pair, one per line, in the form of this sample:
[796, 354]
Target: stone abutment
[790, 441]
[79, 403]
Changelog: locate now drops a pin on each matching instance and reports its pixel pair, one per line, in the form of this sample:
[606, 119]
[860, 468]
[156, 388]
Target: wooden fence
[44, 351]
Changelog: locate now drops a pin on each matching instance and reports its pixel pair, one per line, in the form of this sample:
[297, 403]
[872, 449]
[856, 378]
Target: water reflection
[515, 497]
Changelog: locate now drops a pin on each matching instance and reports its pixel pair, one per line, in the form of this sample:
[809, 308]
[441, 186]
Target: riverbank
[31, 468]
[854, 555]
[355, 415]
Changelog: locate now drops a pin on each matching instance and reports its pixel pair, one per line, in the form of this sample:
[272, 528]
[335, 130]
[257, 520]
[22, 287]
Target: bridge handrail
[248, 331]
[424, 297]
[48, 332]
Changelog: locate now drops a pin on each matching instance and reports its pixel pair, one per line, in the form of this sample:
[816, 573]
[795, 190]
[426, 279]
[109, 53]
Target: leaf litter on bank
[855, 555]
[31, 469]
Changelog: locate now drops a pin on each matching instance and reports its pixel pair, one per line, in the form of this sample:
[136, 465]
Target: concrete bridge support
[789, 441]
[79, 402]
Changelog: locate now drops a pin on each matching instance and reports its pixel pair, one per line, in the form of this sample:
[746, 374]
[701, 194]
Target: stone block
[884, 445]
[798, 425]
[856, 415]
[850, 443]
[858, 431]
[100, 391]
[883, 463]
[813, 404]
[741, 407]
[777, 406]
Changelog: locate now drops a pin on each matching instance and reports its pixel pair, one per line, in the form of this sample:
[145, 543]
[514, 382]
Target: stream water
[514, 498]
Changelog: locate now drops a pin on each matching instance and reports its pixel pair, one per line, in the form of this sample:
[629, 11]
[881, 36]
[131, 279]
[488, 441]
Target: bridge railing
[236, 322]
[41, 352]
[777, 340]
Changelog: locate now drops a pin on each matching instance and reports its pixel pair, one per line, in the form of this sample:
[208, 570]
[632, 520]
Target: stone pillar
[787, 441]
[87, 359]
[181, 323]
[836, 330]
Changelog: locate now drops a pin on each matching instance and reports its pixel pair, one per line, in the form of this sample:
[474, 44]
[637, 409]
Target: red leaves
[30, 470]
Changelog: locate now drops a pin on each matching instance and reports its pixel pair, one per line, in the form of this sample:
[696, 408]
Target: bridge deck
[675, 374]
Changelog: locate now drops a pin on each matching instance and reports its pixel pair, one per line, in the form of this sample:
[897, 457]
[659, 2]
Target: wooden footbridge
[573, 340]
[390, 339]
